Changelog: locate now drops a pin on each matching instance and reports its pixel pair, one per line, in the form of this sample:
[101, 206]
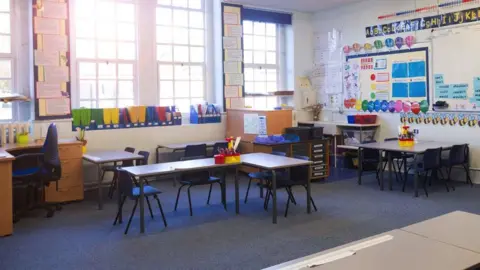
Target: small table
[272, 163]
[181, 146]
[100, 158]
[393, 146]
[174, 168]
[457, 228]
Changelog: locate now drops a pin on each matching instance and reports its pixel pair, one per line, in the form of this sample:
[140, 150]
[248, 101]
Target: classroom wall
[351, 20]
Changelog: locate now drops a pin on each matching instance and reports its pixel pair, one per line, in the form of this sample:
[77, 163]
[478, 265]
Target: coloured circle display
[424, 106]
[377, 105]
[371, 106]
[391, 106]
[407, 106]
[384, 106]
[415, 108]
[398, 106]
[365, 105]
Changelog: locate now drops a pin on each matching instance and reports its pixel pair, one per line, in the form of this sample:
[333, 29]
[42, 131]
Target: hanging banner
[430, 22]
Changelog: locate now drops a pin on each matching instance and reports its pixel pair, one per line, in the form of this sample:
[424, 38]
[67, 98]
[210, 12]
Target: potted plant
[81, 138]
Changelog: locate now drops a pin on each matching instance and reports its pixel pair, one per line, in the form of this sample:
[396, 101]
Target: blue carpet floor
[81, 237]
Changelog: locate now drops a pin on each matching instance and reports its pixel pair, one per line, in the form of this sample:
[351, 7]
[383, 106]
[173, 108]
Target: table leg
[360, 165]
[274, 196]
[380, 168]
[335, 149]
[415, 176]
[119, 202]
[237, 195]
[224, 188]
[309, 190]
[390, 169]
[99, 185]
[142, 207]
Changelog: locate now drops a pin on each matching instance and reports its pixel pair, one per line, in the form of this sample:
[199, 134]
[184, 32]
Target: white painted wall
[351, 20]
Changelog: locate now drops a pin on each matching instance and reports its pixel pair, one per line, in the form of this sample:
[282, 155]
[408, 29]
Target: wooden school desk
[70, 186]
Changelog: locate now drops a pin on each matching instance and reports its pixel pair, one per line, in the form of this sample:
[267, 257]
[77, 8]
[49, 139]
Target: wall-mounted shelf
[13, 97]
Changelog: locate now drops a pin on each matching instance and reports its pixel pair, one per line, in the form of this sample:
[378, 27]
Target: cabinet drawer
[317, 174]
[316, 168]
[317, 151]
[317, 156]
[70, 151]
[72, 173]
[318, 162]
[318, 146]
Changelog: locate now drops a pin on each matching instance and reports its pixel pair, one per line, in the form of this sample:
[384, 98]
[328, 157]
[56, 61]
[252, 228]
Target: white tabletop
[419, 147]
[179, 146]
[272, 162]
[177, 166]
[393, 250]
[110, 156]
[458, 228]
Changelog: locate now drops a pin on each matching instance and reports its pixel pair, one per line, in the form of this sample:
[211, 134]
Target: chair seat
[25, 172]
[281, 183]
[147, 190]
[208, 181]
[257, 175]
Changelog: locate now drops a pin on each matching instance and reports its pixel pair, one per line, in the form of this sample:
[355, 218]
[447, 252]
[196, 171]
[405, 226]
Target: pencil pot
[22, 138]
[232, 159]
[219, 159]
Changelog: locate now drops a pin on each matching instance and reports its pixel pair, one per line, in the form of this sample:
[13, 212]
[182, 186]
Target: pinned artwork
[377, 105]
[444, 119]
[346, 49]
[358, 104]
[378, 44]
[403, 118]
[415, 108]
[391, 106]
[365, 105]
[472, 120]
[384, 106]
[424, 106]
[389, 43]
[453, 119]
[409, 41]
[420, 118]
[398, 106]
[349, 103]
[371, 106]
[407, 106]
[428, 118]
[356, 47]
[367, 47]
[462, 119]
[436, 119]
[399, 42]
[411, 118]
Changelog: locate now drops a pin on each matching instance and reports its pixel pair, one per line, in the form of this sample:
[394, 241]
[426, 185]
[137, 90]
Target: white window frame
[174, 63]
[14, 29]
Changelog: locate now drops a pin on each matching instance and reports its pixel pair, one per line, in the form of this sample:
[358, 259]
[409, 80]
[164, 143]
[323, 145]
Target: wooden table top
[272, 162]
[5, 149]
[100, 157]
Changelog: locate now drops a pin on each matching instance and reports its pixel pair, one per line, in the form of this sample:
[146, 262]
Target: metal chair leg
[311, 199]
[149, 207]
[131, 216]
[425, 179]
[222, 194]
[267, 200]
[467, 171]
[190, 201]
[288, 201]
[120, 210]
[290, 195]
[161, 211]
[209, 193]
[248, 190]
[178, 196]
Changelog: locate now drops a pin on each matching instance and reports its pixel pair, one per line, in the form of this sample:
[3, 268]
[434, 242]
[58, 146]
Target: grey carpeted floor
[81, 237]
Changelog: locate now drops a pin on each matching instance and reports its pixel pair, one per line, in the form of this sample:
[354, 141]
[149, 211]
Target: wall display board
[456, 70]
[51, 59]
[382, 77]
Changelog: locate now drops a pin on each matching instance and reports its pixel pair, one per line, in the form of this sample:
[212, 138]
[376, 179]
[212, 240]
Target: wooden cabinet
[70, 186]
[6, 215]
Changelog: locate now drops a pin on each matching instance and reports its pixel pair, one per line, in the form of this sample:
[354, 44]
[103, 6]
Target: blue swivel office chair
[47, 169]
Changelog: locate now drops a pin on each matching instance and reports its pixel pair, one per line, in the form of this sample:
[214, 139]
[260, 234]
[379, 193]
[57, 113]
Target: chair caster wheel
[50, 213]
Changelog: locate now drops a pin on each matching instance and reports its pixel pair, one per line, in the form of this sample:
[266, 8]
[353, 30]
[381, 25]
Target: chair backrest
[130, 149]
[196, 150]
[278, 153]
[217, 146]
[458, 154]
[390, 139]
[128, 163]
[125, 183]
[194, 176]
[432, 158]
[143, 161]
[52, 170]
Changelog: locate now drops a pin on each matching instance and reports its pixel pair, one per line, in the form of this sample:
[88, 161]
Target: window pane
[247, 27]
[259, 57]
[271, 58]
[164, 2]
[183, 104]
[106, 71]
[272, 102]
[260, 88]
[180, 54]
[182, 72]
[272, 75]
[87, 71]
[182, 89]
[125, 89]
[105, 11]
[5, 6]
[164, 53]
[196, 89]
[125, 71]
[271, 29]
[85, 28]
[197, 37]
[196, 19]
[5, 111]
[5, 22]
[107, 50]
[164, 34]
[248, 57]
[258, 43]
[197, 54]
[260, 103]
[271, 86]
[164, 16]
[83, 9]
[87, 104]
[196, 73]
[249, 87]
[126, 50]
[122, 103]
[106, 104]
[180, 36]
[106, 31]
[166, 102]
[5, 69]
[166, 89]
[249, 102]
[125, 12]
[248, 74]
[85, 48]
[260, 75]
[180, 3]
[5, 86]
[271, 44]
[248, 42]
[107, 89]
[126, 31]
[88, 89]
[259, 28]
[195, 4]
[180, 17]
[165, 72]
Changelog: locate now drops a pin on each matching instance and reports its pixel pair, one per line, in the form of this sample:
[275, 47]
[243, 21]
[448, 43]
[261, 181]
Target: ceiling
[297, 5]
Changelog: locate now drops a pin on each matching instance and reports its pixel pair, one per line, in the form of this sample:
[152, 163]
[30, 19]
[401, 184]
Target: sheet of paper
[237, 103]
[232, 67]
[56, 74]
[383, 77]
[234, 55]
[54, 10]
[51, 58]
[57, 106]
[232, 91]
[382, 96]
[250, 123]
[46, 26]
[231, 43]
[231, 18]
[55, 43]
[262, 125]
[233, 30]
[234, 79]
[49, 90]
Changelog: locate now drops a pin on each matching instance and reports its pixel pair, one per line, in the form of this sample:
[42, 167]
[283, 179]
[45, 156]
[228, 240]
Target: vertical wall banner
[51, 59]
[232, 35]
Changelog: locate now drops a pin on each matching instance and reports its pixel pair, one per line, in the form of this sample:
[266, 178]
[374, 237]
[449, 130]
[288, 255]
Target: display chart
[379, 78]
[456, 69]
[51, 59]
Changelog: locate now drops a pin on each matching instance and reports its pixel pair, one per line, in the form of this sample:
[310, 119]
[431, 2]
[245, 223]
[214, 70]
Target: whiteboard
[456, 68]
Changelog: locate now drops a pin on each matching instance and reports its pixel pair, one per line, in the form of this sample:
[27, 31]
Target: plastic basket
[351, 119]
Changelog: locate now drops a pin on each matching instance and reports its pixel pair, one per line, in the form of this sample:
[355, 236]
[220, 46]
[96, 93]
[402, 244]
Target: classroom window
[6, 58]
[263, 45]
[180, 47]
[106, 53]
